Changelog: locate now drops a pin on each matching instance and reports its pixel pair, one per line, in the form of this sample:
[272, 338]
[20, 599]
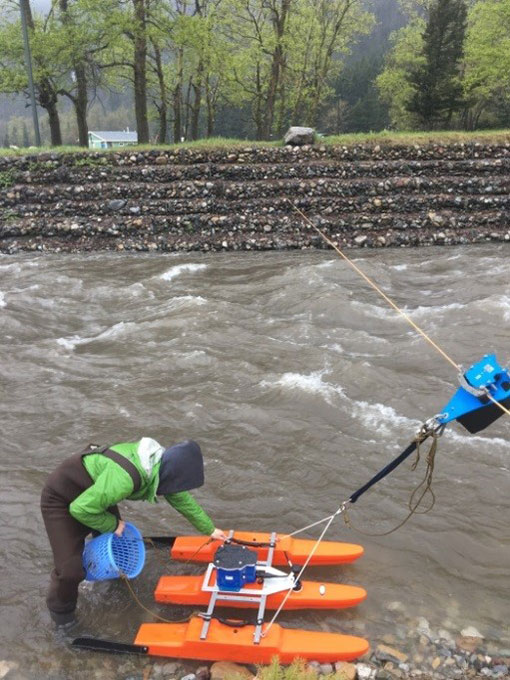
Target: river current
[299, 383]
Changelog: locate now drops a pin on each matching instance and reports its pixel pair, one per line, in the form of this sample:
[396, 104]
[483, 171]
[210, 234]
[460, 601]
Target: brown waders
[66, 534]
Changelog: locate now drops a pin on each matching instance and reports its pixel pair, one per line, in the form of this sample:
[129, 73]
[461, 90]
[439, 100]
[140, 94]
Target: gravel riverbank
[411, 650]
[217, 200]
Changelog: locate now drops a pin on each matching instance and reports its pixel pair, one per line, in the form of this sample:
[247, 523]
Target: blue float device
[470, 405]
[235, 567]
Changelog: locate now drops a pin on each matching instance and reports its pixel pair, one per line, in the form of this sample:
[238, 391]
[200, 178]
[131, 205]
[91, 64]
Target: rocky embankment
[240, 199]
[420, 654]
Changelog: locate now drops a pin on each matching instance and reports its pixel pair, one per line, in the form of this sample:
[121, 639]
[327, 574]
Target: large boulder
[298, 136]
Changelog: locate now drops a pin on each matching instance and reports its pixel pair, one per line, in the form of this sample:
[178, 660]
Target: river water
[299, 382]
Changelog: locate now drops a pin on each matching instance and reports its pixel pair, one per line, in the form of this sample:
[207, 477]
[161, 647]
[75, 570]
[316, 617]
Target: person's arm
[90, 508]
[184, 503]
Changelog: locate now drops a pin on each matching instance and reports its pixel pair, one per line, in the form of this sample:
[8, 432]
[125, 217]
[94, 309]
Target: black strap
[386, 470]
[126, 465]
[118, 458]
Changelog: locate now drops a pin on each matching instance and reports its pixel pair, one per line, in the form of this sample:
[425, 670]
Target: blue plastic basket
[109, 556]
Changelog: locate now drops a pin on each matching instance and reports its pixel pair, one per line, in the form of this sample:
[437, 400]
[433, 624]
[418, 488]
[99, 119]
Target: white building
[106, 139]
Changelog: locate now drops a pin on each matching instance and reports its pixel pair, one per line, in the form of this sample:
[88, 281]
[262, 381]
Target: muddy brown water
[299, 383]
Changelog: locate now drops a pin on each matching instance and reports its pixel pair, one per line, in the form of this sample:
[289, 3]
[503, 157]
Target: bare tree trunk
[80, 105]
[46, 93]
[187, 109]
[280, 115]
[162, 107]
[209, 98]
[197, 101]
[51, 107]
[177, 99]
[257, 114]
[80, 100]
[279, 19]
[140, 72]
[330, 30]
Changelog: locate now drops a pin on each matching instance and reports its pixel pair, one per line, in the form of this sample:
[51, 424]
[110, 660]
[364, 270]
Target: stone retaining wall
[191, 199]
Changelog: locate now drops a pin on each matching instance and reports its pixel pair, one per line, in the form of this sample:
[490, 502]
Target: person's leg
[67, 538]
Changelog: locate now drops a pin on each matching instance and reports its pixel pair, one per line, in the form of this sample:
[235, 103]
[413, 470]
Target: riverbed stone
[347, 671]
[116, 204]
[313, 666]
[471, 632]
[223, 669]
[446, 637]
[7, 666]
[467, 643]
[169, 669]
[203, 673]
[500, 670]
[326, 668]
[387, 653]
[365, 672]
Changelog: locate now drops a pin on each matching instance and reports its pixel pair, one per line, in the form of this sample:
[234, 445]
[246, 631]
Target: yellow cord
[149, 611]
[388, 299]
[142, 606]
[495, 401]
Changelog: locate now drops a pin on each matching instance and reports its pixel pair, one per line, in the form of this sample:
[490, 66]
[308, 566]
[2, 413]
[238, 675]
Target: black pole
[28, 64]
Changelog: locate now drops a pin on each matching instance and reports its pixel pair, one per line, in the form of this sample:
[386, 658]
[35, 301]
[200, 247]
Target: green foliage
[393, 83]
[298, 670]
[37, 166]
[319, 44]
[487, 57]
[88, 161]
[7, 178]
[13, 77]
[359, 107]
[242, 67]
[437, 81]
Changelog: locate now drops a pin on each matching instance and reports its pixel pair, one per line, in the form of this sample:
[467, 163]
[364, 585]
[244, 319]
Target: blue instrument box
[235, 567]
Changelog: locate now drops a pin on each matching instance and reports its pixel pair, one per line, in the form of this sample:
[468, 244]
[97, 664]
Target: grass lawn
[385, 137]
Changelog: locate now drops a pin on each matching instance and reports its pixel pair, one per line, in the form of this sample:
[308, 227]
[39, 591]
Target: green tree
[13, 77]
[287, 54]
[199, 61]
[487, 62]
[437, 82]
[79, 40]
[322, 35]
[258, 32]
[395, 88]
[359, 108]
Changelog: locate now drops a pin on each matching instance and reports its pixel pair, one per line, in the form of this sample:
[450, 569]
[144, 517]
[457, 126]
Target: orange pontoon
[192, 548]
[188, 590]
[241, 577]
[230, 643]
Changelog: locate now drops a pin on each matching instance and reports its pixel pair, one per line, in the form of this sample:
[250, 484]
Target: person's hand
[120, 528]
[219, 535]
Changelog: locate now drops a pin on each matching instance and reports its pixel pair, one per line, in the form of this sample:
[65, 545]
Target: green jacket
[113, 484]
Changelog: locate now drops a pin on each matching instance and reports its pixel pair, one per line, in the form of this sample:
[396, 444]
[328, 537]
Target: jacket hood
[182, 468]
